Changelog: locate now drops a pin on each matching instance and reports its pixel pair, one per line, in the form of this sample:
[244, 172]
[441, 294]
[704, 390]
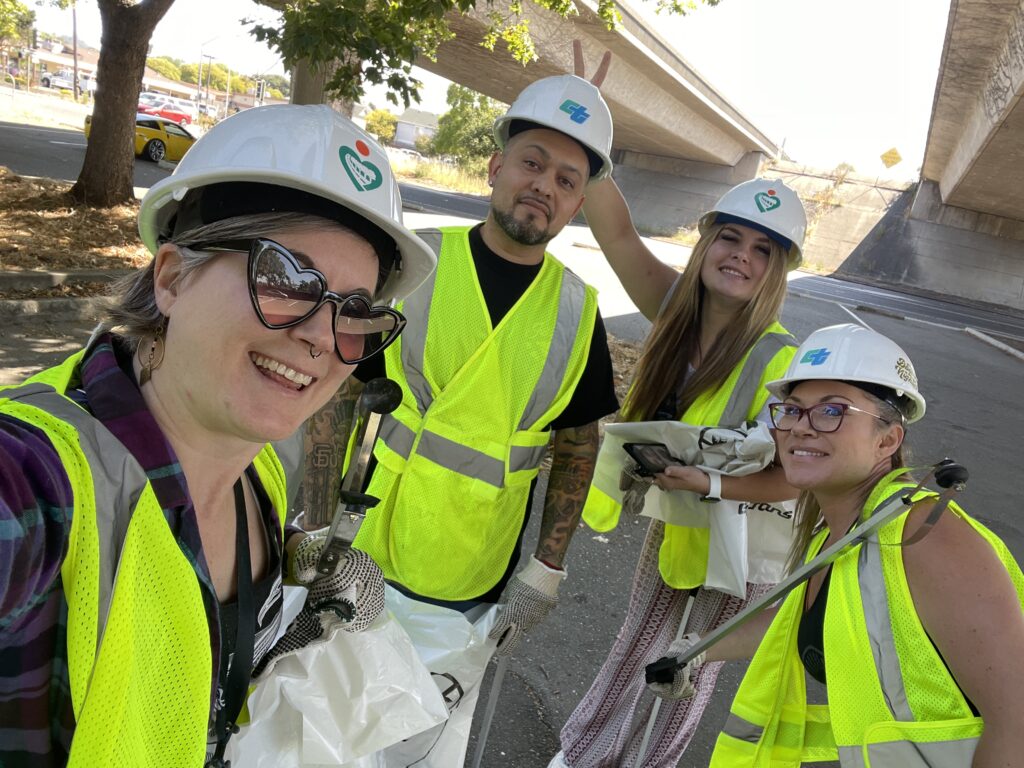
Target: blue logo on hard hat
[576, 112]
[815, 356]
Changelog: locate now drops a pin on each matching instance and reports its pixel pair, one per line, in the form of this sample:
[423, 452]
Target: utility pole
[209, 71]
[74, 49]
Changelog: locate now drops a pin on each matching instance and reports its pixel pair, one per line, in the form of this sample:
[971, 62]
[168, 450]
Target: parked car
[156, 138]
[172, 110]
[62, 78]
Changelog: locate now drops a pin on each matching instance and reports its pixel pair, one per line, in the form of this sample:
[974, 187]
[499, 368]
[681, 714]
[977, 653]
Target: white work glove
[356, 587]
[529, 598]
[681, 686]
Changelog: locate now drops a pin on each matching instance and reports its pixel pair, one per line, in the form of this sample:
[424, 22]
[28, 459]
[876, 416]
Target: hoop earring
[154, 357]
[311, 348]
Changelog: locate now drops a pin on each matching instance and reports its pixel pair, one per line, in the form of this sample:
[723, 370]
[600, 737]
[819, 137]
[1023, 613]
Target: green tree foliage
[366, 41]
[464, 131]
[382, 123]
[16, 20]
[189, 72]
[279, 84]
[165, 67]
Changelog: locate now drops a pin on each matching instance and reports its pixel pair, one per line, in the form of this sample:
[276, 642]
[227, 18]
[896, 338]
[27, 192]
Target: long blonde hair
[676, 332]
[807, 519]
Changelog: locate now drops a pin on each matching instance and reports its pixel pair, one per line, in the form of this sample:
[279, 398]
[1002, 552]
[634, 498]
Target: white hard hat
[855, 354]
[767, 205]
[317, 156]
[567, 104]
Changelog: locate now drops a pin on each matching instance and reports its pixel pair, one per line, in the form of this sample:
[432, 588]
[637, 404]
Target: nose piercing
[311, 348]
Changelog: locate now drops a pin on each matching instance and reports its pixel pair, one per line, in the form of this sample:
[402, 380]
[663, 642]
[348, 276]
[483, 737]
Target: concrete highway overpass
[975, 149]
[678, 143]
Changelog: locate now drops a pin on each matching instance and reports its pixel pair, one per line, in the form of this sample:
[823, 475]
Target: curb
[25, 310]
[995, 343]
[29, 279]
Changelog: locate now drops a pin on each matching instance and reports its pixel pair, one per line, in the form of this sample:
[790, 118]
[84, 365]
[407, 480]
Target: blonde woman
[716, 341]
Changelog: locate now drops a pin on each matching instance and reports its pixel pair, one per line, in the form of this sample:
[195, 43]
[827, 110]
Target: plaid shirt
[36, 718]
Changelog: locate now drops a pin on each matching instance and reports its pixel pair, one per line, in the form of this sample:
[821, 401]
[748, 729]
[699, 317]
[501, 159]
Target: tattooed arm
[572, 466]
[327, 435]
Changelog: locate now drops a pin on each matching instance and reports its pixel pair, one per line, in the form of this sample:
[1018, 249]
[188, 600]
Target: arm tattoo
[327, 434]
[572, 467]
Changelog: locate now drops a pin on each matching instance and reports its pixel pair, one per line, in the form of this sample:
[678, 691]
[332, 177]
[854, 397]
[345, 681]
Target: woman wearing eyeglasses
[917, 633]
[144, 482]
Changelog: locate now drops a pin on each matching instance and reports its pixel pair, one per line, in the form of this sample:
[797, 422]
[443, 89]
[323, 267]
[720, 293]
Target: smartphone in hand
[652, 457]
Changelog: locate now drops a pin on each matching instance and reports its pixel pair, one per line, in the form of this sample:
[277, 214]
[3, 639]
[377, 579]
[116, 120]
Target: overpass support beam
[988, 142]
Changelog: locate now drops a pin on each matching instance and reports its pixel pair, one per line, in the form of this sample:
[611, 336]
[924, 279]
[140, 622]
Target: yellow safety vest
[892, 701]
[139, 655]
[456, 459]
[683, 558]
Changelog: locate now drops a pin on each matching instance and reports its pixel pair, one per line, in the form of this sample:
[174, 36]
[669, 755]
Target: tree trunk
[108, 170]
[308, 88]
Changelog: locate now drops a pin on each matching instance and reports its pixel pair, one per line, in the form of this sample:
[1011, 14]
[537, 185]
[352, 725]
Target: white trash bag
[339, 701]
[736, 553]
[456, 652]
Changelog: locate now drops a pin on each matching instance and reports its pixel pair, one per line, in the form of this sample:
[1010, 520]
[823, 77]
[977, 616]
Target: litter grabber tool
[380, 396]
[492, 702]
[656, 708]
[947, 474]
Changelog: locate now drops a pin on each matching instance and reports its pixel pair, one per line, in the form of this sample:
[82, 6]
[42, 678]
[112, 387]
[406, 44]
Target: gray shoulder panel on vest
[749, 382]
[416, 309]
[571, 301]
[118, 479]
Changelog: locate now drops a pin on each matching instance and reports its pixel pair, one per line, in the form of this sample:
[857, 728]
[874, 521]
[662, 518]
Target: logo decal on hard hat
[816, 356]
[576, 112]
[906, 372]
[767, 201]
[364, 174]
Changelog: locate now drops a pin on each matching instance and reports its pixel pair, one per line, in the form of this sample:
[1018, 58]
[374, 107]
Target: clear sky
[836, 81]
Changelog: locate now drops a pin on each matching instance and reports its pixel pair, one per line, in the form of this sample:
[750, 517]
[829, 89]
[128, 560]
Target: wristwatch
[714, 494]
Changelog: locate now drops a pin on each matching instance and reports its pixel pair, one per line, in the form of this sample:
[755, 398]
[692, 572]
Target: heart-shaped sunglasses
[284, 293]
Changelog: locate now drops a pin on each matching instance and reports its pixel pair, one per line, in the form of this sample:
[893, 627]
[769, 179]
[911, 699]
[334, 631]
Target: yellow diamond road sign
[891, 157]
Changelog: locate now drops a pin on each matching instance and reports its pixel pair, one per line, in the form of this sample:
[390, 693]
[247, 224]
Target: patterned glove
[681, 686]
[529, 598]
[355, 589]
[634, 487]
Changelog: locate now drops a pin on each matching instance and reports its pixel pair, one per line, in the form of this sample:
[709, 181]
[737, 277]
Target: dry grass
[42, 229]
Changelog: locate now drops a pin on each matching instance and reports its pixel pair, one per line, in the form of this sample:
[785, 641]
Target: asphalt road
[973, 413]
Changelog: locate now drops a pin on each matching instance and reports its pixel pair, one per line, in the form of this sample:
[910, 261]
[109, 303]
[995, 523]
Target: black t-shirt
[502, 282]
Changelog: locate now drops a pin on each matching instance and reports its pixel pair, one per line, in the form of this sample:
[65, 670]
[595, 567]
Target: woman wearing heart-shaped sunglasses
[145, 481]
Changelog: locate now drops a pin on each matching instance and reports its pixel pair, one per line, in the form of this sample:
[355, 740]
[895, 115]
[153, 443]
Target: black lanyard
[236, 686]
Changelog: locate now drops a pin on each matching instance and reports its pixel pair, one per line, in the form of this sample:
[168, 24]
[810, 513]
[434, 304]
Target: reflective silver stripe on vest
[571, 300]
[459, 458]
[741, 729]
[749, 380]
[958, 753]
[118, 480]
[416, 309]
[455, 456]
[879, 624]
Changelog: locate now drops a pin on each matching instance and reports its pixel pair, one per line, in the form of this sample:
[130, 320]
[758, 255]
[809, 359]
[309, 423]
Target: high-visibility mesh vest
[456, 459]
[892, 701]
[139, 655]
[683, 558]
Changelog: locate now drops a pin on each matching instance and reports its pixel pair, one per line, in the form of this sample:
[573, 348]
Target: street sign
[891, 157]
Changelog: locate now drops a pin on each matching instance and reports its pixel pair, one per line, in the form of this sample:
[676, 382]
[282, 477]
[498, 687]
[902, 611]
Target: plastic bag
[456, 652]
[735, 555]
[339, 701]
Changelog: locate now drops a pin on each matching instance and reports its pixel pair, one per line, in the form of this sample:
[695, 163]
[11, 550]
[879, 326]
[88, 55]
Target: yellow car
[156, 138]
